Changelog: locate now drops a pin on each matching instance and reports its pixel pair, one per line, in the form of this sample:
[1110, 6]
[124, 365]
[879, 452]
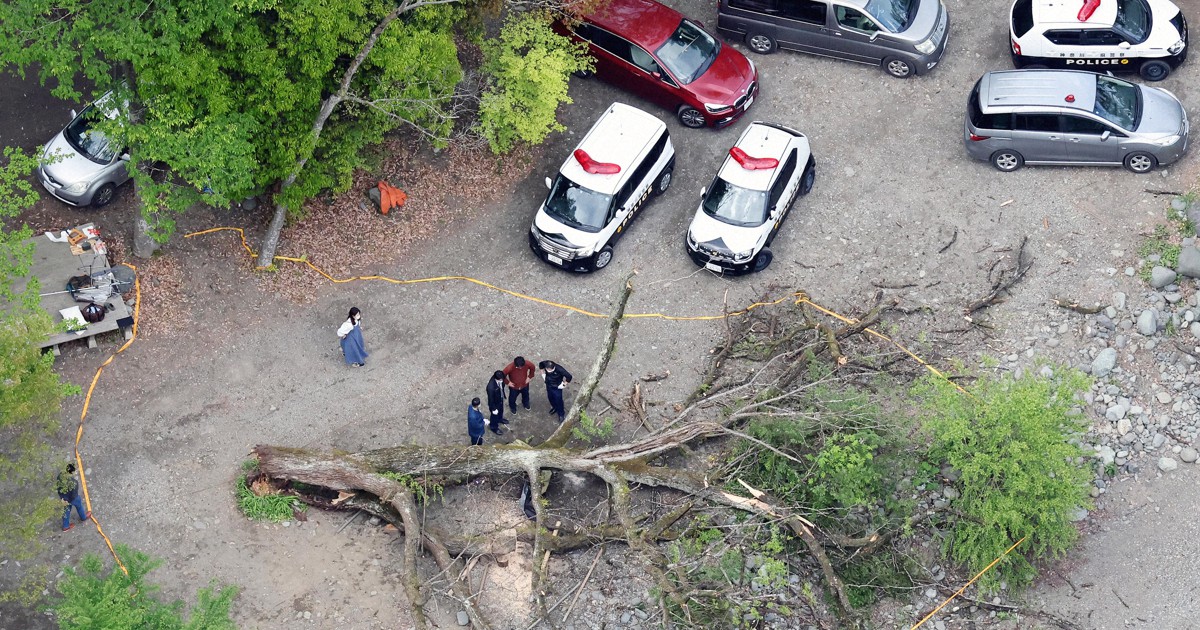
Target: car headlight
[690, 240]
[77, 187]
[1175, 48]
[1165, 142]
[717, 109]
[926, 47]
[743, 256]
[584, 252]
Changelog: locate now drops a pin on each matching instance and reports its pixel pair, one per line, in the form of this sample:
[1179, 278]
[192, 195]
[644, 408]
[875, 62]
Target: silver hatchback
[81, 165]
[1068, 117]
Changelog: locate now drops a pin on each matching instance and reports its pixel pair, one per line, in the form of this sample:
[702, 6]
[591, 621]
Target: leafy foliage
[95, 597]
[529, 67]
[1014, 442]
[31, 393]
[268, 505]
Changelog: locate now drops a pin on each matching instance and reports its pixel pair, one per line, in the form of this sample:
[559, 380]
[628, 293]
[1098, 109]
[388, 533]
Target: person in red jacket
[517, 376]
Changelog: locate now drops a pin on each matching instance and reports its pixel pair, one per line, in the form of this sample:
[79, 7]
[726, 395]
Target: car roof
[760, 140]
[621, 136]
[1046, 88]
[1065, 14]
[643, 22]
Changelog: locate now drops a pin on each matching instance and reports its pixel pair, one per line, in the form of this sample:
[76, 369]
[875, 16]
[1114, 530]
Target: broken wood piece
[650, 378]
[1074, 305]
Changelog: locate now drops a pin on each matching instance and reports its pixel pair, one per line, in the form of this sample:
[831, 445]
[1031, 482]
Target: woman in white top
[350, 332]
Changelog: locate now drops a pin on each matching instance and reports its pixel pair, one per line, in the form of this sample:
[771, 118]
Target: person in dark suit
[495, 398]
[475, 423]
[556, 377]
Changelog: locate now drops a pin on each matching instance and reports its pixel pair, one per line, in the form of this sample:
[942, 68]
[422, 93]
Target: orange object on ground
[390, 197]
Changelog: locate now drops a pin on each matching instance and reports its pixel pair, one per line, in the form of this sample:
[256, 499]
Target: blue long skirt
[352, 347]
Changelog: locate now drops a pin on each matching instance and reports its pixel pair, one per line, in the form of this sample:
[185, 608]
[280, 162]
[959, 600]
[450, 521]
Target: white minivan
[626, 158]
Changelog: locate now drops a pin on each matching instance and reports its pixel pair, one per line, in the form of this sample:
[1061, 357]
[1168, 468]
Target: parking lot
[894, 189]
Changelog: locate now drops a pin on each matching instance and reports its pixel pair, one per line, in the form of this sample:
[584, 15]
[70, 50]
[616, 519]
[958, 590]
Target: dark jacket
[555, 378]
[475, 423]
[66, 485]
[495, 395]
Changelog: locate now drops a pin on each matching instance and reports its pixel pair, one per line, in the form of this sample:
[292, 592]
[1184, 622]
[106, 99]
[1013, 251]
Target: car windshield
[1117, 101]
[88, 141]
[689, 52]
[735, 205]
[578, 207]
[893, 15]
[1133, 19]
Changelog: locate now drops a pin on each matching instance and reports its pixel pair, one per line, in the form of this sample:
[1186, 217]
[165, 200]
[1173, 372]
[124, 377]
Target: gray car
[81, 165]
[904, 37]
[1066, 117]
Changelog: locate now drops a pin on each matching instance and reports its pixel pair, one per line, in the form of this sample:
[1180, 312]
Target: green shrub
[266, 507]
[1020, 473]
[94, 597]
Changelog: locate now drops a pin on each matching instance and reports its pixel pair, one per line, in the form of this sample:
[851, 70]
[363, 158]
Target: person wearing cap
[517, 376]
[68, 491]
[495, 398]
[556, 378]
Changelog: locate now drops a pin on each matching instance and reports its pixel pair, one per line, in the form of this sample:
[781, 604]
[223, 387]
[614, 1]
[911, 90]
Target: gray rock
[1124, 426]
[1161, 276]
[1195, 329]
[1188, 455]
[1189, 262]
[1179, 204]
[626, 617]
[1119, 301]
[1106, 455]
[1173, 297]
[1158, 440]
[1147, 323]
[1104, 362]
[1163, 397]
[463, 618]
[1078, 514]
[1167, 464]
[950, 492]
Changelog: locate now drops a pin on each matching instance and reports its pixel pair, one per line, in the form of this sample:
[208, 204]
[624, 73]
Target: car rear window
[1022, 17]
[980, 120]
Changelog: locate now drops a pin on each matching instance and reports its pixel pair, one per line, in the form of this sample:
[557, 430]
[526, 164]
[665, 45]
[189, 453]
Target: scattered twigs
[567, 614]
[951, 243]
[637, 406]
[1162, 192]
[1003, 280]
[1074, 305]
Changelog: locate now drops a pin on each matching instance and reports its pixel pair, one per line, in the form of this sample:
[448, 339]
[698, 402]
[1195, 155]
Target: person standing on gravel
[68, 491]
[495, 397]
[475, 423]
[556, 378]
[517, 376]
[350, 334]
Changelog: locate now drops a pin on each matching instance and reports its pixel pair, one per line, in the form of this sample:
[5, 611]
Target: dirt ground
[177, 413]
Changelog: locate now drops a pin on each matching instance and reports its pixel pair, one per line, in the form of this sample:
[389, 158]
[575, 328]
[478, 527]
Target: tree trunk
[144, 245]
[270, 242]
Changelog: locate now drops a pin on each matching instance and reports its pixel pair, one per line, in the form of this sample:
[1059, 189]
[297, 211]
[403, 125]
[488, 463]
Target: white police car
[624, 159]
[740, 213]
[1144, 36]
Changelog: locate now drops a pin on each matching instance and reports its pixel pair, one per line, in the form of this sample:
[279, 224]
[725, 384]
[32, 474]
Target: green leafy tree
[30, 391]
[96, 597]
[1015, 444]
[528, 69]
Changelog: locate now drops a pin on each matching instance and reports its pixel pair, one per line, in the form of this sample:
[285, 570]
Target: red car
[656, 53]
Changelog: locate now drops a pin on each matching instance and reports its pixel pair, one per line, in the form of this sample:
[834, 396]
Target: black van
[904, 37]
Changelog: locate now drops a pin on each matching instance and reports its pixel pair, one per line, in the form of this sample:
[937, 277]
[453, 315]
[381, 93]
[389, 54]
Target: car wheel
[584, 74]
[1154, 70]
[1007, 161]
[690, 117]
[104, 195]
[1140, 162]
[663, 183]
[763, 260]
[808, 179]
[761, 43]
[603, 257]
[898, 68]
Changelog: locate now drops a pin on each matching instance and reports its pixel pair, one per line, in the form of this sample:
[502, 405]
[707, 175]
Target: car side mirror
[124, 157]
[1105, 136]
[703, 189]
[73, 114]
[1123, 45]
[548, 184]
[874, 34]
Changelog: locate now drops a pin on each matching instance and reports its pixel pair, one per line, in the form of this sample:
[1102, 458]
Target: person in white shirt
[350, 334]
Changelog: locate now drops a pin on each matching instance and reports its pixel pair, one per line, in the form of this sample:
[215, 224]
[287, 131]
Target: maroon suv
[656, 53]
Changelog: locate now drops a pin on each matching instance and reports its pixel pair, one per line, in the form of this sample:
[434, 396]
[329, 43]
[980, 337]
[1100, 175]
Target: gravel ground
[179, 411]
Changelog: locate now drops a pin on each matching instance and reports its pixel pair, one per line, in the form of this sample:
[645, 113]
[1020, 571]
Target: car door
[783, 193]
[1038, 138]
[853, 35]
[1090, 140]
[802, 26]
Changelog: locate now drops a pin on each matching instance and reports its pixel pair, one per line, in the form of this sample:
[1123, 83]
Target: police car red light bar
[752, 163]
[1089, 7]
[594, 167]
[1070, 98]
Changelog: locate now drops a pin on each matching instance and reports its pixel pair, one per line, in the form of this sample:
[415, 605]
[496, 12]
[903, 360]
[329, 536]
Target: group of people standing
[505, 386]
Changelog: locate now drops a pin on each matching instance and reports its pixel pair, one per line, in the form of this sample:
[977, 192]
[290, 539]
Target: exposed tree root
[1003, 280]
